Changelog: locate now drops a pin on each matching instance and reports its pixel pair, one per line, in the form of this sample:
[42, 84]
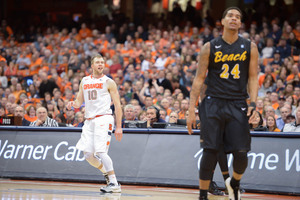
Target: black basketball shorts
[224, 121]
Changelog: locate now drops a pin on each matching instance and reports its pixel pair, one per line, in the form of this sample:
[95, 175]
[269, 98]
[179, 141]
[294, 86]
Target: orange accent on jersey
[110, 127]
[92, 86]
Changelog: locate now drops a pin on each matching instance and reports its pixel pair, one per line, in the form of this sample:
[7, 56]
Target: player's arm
[79, 99]
[253, 80]
[197, 85]
[112, 88]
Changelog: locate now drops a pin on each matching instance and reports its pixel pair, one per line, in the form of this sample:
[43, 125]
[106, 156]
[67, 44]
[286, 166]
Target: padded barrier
[146, 156]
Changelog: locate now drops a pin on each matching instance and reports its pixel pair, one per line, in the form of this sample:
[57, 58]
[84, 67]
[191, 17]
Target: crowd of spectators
[152, 66]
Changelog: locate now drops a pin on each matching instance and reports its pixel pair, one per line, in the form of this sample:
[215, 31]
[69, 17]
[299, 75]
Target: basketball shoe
[111, 188]
[213, 189]
[233, 193]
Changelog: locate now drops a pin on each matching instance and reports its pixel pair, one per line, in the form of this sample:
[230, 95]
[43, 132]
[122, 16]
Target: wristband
[253, 104]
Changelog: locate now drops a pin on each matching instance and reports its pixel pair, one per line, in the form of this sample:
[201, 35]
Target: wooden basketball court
[45, 190]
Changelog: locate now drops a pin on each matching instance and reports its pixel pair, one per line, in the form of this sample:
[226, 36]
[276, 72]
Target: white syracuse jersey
[96, 96]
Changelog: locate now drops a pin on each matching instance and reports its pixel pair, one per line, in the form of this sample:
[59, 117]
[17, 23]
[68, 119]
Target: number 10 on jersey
[92, 94]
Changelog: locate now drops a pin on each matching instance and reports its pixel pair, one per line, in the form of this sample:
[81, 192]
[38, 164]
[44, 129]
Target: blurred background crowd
[153, 63]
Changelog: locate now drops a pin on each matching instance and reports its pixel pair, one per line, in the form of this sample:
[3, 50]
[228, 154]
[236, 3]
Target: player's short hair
[94, 57]
[232, 8]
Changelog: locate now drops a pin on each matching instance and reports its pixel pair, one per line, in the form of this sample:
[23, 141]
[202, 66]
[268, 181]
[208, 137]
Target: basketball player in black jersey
[231, 63]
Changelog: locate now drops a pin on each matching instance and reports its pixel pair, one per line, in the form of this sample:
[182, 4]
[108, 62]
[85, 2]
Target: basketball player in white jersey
[97, 91]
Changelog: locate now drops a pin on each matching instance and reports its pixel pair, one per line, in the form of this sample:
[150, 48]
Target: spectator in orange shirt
[11, 70]
[268, 70]
[172, 58]
[137, 39]
[35, 65]
[6, 31]
[2, 111]
[296, 31]
[297, 92]
[64, 35]
[183, 109]
[267, 86]
[84, 32]
[30, 114]
[274, 100]
[165, 104]
[19, 90]
[10, 108]
[279, 86]
[150, 41]
[164, 41]
[69, 95]
[294, 77]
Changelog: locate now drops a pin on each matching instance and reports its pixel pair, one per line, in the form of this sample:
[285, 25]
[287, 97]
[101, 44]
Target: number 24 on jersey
[235, 72]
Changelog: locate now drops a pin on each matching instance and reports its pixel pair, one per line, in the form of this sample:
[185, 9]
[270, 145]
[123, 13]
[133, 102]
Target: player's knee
[208, 164]
[240, 161]
[88, 155]
[101, 155]
[106, 160]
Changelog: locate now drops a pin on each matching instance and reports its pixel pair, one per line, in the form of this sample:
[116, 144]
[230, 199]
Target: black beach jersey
[228, 69]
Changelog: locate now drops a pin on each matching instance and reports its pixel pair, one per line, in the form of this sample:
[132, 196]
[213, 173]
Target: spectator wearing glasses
[173, 118]
[281, 101]
[129, 114]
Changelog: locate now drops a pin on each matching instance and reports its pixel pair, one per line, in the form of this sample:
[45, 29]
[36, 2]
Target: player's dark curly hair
[232, 8]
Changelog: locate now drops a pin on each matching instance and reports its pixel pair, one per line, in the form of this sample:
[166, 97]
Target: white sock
[113, 179]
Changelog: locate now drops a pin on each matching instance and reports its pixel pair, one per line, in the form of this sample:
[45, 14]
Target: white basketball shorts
[96, 134]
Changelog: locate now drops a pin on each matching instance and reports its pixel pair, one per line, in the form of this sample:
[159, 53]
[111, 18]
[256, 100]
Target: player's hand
[191, 121]
[70, 105]
[119, 134]
[250, 114]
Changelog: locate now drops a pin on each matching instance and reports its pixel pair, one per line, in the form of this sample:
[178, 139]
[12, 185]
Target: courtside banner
[145, 156]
